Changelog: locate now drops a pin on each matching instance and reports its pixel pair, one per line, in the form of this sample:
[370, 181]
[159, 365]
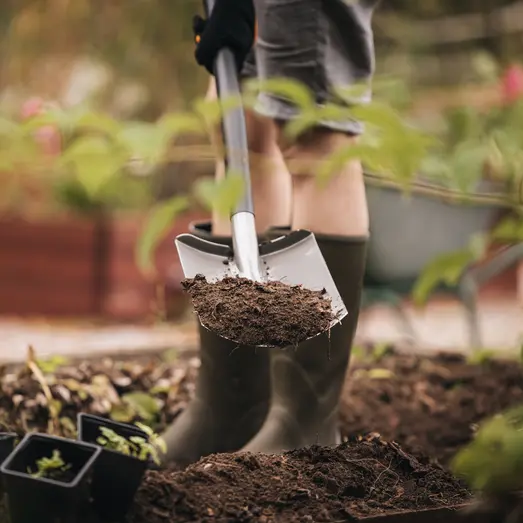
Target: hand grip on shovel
[245, 242]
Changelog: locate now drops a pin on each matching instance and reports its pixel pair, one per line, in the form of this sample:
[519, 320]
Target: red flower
[512, 84]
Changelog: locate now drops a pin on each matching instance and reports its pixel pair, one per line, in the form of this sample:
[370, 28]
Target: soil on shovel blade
[251, 313]
[363, 477]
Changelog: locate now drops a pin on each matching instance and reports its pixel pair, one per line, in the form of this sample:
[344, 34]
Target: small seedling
[50, 468]
[135, 446]
[481, 357]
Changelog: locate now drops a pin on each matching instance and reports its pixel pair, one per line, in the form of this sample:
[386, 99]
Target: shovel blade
[294, 259]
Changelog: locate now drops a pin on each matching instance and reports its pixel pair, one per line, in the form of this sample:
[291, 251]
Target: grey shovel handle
[234, 129]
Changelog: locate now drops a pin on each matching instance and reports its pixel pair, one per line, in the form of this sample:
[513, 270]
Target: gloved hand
[231, 24]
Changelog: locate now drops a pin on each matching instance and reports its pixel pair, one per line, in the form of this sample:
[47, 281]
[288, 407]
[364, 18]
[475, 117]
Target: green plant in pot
[127, 452]
[46, 479]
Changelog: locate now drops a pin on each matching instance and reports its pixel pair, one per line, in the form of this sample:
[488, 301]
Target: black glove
[231, 24]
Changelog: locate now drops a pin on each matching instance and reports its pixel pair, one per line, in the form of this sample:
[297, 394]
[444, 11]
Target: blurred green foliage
[100, 155]
[493, 462]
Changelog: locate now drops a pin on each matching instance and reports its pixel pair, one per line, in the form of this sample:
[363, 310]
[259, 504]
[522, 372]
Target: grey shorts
[323, 44]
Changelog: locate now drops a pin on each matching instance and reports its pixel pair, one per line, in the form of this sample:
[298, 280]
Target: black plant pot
[7, 445]
[43, 500]
[116, 477]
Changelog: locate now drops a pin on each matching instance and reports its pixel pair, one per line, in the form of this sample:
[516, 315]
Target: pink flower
[32, 107]
[512, 84]
[47, 136]
[49, 139]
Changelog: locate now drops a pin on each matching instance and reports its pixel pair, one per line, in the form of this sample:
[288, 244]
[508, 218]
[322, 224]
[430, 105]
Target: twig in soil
[40, 378]
[388, 469]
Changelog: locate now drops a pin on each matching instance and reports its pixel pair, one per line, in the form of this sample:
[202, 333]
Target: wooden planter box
[85, 267]
[131, 296]
[53, 268]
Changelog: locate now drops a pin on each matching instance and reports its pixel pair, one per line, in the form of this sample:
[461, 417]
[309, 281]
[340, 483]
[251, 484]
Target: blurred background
[450, 68]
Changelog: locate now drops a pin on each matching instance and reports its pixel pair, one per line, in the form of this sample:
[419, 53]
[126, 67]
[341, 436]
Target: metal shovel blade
[294, 259]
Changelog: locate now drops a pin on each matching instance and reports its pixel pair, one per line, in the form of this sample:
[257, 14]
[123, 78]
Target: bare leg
[271, 183]
[339, 208]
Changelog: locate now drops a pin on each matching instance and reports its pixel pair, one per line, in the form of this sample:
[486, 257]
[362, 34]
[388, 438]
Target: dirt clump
[363, 477]
[251, 313]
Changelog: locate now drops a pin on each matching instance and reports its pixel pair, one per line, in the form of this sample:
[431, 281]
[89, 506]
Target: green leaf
[380, 374]
[178, 123]
[145, 405]
[493, 462]
[468, 164]
[291, 90]
[463, 124]
[401, 153]
[480, 357]
[312, 116]
[144, 141]
[8, 127]
[379, 115]
[353, 94]
[508, 230]
[123, 413]
[100, 122]
[478, 245]
[94, 161]
[160, 219]
[446, 268]
[213, 111]
[49, 118]
[485, 66]
[341, 157]
[221, 196]
[52, 364]
[436, 168]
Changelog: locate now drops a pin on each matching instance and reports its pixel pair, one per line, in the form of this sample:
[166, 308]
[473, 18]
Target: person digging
[261, 400]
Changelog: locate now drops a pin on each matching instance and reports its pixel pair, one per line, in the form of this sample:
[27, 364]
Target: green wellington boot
[231, 398]
[307, 381]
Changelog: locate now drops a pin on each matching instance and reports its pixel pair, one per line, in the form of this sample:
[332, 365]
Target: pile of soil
[250, 313]
[364, 477]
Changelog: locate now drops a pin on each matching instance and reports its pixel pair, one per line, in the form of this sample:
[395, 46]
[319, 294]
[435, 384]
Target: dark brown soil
[361, 478]
[250, 313]
[428, 405]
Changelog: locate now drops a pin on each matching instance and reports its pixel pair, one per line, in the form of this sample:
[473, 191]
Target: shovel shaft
[234, 129]
[233, 124]
[245, 245]
[245, 242]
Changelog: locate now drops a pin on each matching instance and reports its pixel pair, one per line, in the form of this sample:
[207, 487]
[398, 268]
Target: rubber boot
[307, 381]
[231, 398]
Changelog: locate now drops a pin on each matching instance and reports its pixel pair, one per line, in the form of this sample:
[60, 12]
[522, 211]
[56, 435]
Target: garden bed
[428, 406]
